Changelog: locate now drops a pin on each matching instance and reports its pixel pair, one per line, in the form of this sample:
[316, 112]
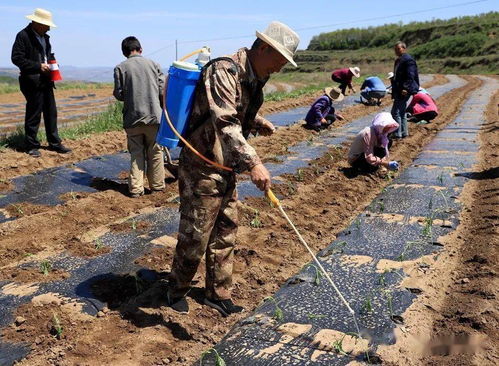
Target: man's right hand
[260, 176]
[45, 68]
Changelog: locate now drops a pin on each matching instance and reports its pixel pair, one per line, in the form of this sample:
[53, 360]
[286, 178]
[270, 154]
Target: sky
[89, 33]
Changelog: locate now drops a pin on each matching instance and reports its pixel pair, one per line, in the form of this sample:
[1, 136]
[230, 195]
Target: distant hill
[97, 74]
[466, 44]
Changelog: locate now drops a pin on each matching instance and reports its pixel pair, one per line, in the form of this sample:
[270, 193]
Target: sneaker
[61, 149]
[179, 304]
[225, 307]
[34, 153]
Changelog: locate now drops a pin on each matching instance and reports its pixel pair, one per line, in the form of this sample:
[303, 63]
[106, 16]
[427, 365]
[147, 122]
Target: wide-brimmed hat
[334, 93]
[42, 16]
[390, 75]
[281, 38]
[355, 71]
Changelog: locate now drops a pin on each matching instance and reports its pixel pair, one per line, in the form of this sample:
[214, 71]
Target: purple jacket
[319, 110]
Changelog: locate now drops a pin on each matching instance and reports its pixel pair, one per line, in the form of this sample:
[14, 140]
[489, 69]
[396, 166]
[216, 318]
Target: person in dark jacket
[322, 114]
[405, 83]
[31, 52]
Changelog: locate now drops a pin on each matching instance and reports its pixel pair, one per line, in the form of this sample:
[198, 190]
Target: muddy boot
[225, 307]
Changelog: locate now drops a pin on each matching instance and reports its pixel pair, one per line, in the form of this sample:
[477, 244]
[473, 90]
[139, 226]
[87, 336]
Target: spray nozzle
[203, 56]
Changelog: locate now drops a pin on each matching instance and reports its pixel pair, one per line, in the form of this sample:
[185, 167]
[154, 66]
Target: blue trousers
[398, 114]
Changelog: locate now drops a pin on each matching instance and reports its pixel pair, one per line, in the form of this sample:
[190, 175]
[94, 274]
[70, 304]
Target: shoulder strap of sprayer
[234, 69]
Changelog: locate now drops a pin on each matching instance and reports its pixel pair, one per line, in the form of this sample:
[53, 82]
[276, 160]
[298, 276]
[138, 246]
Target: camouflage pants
[208, 225]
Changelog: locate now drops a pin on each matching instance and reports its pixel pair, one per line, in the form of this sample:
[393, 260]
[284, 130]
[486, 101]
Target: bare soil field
[142, 330]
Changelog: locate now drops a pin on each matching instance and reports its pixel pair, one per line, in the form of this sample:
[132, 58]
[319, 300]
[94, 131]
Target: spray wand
[275, 201]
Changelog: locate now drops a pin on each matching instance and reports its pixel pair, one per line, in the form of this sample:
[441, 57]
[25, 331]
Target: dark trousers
[39, 100]
[362, 164]
[398, 113]
[342, 86]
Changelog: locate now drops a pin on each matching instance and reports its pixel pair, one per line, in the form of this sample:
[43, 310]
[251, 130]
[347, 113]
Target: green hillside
[459, 45]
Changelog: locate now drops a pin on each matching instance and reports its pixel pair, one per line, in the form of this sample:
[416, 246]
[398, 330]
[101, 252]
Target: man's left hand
[404, 92]
[266, 128]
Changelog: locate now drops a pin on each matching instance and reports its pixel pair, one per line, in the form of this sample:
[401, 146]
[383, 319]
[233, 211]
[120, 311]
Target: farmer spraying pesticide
[225, 110]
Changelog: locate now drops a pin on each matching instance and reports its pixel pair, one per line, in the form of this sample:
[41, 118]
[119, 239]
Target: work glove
[393, 165]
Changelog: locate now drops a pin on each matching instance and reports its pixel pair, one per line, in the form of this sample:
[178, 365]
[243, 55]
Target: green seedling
[382, 278]
[440, 178]
[19, 209]
[310, 140]
[99, 244]
[219, 361]
[389, 298]
[45, 267]
[381, 206]
[318, 273]
[57, 328]
[28, 254]
[291, 188]
[461, 165]
[278, 313]
[256, 222]
[299, 175]
[356, 223]
[338, 346]
[430, 203]
[134, 225]
[428, 227]
[367, 306]
[389, 176]
[74, 196]
[338, 247]
[315, 316]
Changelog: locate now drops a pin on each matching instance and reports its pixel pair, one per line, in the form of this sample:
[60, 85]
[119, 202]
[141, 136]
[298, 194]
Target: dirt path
[152, 333]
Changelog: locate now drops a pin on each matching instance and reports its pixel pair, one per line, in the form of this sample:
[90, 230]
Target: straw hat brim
[354, 72]
[41, 21]
[328, 92]
[278, 47]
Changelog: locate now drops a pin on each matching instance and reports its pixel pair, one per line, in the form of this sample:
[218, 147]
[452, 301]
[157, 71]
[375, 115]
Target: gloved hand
[393, 165]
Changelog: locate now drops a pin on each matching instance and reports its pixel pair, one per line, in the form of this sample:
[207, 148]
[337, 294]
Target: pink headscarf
[384, 124]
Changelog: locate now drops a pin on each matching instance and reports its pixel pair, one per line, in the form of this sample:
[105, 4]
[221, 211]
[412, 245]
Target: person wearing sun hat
[225, 111]
[31, 52]
[344, 77]
[322, 113]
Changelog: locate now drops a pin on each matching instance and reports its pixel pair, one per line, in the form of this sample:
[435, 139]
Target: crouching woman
[369, 149]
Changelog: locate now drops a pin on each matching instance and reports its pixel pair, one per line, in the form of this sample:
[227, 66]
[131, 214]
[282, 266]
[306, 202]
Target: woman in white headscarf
[369, 149]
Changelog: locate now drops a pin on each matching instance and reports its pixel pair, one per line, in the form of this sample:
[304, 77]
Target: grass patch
[109, 120]
[304, 91]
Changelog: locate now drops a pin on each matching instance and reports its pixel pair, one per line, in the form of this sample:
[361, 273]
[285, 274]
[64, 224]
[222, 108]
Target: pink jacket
[422, 102]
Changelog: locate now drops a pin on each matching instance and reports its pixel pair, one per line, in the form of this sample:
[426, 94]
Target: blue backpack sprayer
[179, 95]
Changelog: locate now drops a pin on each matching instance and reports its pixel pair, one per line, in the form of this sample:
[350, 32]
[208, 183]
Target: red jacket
[343, 76]
[422, 102]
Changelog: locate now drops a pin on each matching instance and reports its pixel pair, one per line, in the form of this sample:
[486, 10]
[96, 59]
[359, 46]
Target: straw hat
[42, 16]
[282, 38]
[390, 75]
[355, 71]
[334, 94]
